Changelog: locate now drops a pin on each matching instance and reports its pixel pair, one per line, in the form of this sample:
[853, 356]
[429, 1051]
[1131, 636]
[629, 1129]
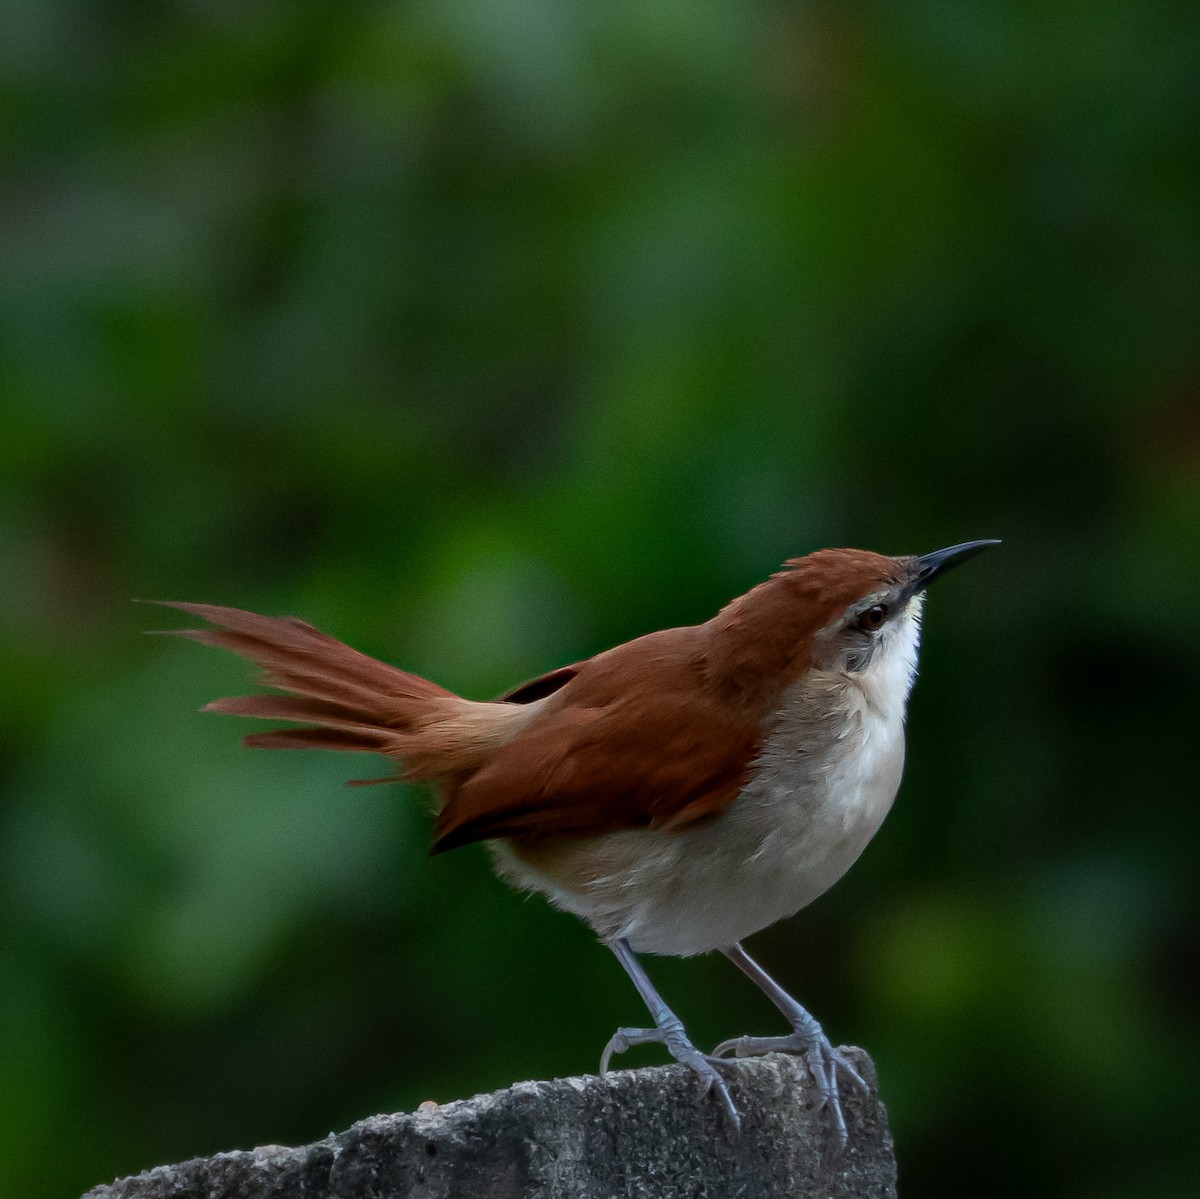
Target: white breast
[824, 782]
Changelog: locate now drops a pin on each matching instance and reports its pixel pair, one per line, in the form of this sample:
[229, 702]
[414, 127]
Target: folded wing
[634, 737]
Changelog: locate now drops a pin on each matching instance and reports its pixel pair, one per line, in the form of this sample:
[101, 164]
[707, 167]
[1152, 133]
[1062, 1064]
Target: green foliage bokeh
[488, 333]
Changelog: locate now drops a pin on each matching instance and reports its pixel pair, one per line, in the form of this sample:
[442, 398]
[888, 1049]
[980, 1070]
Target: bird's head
[867, 607]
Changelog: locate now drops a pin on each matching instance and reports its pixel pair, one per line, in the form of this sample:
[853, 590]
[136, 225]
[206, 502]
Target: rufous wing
[632, 738]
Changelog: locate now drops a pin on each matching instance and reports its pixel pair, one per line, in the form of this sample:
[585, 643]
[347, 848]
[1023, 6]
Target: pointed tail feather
[349, 701]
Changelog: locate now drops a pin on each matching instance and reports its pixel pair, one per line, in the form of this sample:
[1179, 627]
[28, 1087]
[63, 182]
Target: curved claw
[713, 1082]
[824, 1062]
[733, 1118]
[622, 1040]
[742, 1046]
[843, 1063]
[676, 1042]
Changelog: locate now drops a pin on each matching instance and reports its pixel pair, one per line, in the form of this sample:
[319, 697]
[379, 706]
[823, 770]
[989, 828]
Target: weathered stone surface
[633, 1133]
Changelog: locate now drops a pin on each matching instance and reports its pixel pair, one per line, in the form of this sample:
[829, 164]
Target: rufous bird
[678, 792]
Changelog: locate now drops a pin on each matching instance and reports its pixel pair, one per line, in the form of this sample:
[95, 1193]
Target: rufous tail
[346, 700]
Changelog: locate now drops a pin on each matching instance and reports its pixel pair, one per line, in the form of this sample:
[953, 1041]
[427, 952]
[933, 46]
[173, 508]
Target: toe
[843, 1063]
[733, 1118]
[715, 1084]
[619, 1042]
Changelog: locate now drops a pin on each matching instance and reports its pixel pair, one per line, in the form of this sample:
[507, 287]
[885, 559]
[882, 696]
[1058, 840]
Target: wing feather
[634, 737]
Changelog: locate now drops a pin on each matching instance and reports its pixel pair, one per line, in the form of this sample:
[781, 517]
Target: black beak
[928, 566]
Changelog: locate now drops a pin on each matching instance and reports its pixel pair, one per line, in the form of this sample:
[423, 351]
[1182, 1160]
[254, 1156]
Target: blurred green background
[486, 334]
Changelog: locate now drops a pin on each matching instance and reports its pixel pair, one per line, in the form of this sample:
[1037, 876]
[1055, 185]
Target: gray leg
[824, 1061]
[668, 1031]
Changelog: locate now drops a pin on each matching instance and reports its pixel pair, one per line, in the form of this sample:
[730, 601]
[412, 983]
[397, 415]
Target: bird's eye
[872, 618]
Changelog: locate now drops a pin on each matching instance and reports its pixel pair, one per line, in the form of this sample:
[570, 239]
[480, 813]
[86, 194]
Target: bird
[678, 792]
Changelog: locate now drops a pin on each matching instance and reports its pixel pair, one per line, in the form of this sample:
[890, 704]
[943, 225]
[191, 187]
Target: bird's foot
[824, 1063]
[672, 1036]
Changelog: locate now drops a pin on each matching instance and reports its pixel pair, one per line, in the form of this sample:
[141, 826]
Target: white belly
[790, 835]
[822, 786]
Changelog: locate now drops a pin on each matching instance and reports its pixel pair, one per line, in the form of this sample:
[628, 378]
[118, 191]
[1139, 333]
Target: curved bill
[927, 567]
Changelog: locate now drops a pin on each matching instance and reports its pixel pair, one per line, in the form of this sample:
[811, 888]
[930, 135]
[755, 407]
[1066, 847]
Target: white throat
[889, 676]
